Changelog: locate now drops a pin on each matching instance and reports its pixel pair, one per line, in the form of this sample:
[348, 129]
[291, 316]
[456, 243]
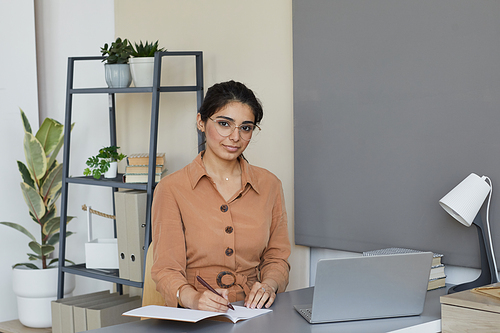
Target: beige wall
[248, 41]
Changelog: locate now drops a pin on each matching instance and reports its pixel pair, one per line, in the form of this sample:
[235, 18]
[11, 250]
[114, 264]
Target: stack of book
[138, 167]
[91, 311]
[437, 277]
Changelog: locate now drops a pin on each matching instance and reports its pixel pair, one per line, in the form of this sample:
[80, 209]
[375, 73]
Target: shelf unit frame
[112, 275]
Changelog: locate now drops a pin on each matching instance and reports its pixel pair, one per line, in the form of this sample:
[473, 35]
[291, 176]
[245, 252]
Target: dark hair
[221, 94]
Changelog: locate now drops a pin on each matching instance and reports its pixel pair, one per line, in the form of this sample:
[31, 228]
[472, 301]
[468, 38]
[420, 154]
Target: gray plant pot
[117, 75]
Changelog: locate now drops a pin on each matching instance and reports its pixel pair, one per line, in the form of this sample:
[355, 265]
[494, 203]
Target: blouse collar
[196, 170]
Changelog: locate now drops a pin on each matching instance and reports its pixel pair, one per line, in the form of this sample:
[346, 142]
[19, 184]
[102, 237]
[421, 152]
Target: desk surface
[285, 318]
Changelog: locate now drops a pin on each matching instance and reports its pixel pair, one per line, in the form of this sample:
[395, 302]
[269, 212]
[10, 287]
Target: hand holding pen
[209, 287]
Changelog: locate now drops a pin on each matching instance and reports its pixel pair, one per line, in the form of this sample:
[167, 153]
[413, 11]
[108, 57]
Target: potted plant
[142, 63]
[117, 71]
[105, 163]
[35, 282]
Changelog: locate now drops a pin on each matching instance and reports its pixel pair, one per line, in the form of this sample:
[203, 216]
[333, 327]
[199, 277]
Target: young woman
[219, 217]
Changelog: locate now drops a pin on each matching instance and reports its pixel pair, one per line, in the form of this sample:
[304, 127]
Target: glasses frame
[235, 127]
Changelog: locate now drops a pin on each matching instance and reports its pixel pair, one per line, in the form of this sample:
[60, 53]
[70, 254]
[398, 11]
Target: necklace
[225, 178]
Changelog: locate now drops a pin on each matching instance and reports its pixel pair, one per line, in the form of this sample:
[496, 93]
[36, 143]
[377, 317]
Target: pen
[209, 287]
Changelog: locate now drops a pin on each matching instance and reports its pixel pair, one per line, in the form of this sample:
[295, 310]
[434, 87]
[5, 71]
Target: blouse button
[229, 230]
[229, 252]
[224, 208]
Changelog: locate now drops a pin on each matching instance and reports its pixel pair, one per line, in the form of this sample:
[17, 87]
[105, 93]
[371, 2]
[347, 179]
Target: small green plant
[99, 164]
[118, 53]
[41, 187]
[145, 50]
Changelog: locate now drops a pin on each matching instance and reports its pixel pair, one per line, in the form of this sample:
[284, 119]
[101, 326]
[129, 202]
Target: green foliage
[145, 50]
[41, 187]
[118, 53]
[99, 164]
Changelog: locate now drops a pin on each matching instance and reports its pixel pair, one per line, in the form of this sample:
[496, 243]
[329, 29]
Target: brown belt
[238, 284]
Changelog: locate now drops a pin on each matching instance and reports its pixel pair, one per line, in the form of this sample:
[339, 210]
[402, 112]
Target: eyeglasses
[226, 127]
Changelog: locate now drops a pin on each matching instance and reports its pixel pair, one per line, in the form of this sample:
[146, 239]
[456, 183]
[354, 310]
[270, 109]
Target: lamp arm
[490, 241]
[488, 274]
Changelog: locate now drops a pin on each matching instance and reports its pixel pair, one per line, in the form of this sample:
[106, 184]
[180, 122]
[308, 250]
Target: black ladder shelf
[112, 275]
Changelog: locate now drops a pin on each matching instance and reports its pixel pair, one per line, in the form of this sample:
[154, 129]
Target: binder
[136, 225]
[132, 291]
[62, 312]
[121, 234]
[110, 313]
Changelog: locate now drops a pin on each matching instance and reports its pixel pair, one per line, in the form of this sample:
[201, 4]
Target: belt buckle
[221, 275]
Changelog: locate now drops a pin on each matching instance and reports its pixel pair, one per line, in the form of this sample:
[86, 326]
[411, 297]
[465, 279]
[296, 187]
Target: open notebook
[181, 314]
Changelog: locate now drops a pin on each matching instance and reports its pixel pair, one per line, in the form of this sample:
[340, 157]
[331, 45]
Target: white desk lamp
[464, 203]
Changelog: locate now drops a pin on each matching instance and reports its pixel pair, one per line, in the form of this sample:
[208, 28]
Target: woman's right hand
[206, 300]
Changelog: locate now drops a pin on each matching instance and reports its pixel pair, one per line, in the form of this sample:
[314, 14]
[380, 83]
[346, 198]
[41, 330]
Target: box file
[136, 226]
[130, 207]
[121, 233]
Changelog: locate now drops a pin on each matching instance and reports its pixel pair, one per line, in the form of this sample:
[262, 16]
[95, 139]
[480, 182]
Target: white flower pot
[141, 69]
[112, 171]
[117, 75]
[35, 290]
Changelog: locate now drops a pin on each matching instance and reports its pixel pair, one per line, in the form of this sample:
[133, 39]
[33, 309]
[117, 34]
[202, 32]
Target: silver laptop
[368, 287]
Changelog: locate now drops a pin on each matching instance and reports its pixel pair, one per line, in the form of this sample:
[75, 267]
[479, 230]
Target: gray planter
[117, 75]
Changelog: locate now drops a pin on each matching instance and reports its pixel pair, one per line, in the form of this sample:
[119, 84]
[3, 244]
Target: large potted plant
[105, 163]
[117, 71]
[142, 62]
[35, 282]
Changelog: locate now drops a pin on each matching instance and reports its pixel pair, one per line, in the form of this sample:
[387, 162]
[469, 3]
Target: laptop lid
[368, 287]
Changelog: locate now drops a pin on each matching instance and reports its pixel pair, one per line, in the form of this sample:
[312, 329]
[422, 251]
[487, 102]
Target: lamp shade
[466, 199]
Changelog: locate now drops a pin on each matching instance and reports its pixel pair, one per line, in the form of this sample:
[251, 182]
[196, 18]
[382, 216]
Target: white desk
[284, 318]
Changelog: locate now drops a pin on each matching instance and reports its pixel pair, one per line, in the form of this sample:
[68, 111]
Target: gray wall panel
[395, 102]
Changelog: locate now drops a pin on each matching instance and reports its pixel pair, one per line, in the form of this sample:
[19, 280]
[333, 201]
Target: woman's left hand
[262, 294]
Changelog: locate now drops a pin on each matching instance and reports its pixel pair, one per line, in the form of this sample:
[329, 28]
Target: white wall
[63, 28]
[18, 89]
[77, 28]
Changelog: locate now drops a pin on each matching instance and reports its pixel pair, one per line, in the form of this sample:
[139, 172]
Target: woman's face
[226, 147]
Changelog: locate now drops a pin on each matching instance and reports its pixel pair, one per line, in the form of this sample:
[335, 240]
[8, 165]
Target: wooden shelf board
[15, 326]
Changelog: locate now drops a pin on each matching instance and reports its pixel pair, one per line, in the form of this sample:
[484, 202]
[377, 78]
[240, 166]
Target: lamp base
[488, 274]
[470, 285]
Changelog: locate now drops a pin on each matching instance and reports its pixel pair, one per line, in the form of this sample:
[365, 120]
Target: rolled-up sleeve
[274, 263]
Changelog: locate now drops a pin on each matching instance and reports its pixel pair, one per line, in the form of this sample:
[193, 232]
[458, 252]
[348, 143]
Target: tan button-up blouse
[230, 244]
